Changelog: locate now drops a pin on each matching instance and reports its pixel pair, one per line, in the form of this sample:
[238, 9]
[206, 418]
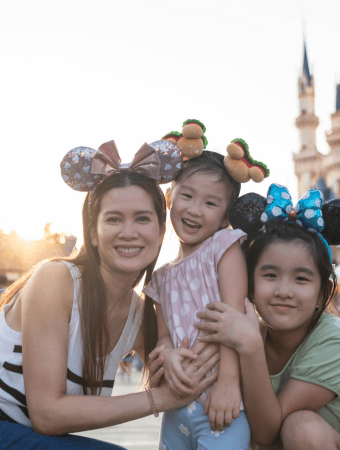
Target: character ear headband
[241, 166]
[252, 211]
[238, 163]
[83, 168]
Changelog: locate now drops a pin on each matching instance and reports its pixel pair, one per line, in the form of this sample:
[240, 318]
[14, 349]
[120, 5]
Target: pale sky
[83, 72]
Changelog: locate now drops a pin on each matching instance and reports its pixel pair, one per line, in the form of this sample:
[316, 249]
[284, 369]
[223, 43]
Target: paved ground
[142, 433]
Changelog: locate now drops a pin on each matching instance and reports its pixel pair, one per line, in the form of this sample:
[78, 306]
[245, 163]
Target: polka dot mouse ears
[251, 212]
[83, 168]
[238, 162]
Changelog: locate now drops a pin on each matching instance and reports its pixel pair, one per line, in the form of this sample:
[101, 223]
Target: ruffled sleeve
[224, 239]
[152, 288]
[318, 361]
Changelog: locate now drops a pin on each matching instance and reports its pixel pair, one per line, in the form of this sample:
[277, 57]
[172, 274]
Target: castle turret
[333, 139]
[308, 159]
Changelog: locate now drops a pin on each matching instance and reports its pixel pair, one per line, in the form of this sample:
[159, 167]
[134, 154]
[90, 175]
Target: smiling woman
[65, 327]
[125, 235]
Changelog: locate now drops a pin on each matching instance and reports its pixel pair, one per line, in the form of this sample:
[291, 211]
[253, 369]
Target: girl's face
[286, 286]
[128, 234]
[197, 208]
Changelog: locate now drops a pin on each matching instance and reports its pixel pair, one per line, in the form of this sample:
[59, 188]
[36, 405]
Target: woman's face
[128, 234]
[286, 286]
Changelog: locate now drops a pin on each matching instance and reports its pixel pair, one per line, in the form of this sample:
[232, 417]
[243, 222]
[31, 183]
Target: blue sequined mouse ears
[251, 212]
[83, 168]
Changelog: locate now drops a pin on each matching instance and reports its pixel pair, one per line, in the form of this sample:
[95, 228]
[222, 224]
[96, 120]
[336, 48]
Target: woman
[65, 327]
[290, 366]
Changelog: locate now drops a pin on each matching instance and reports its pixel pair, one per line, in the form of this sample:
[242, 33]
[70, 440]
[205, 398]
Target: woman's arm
[46, 310]
[265, 411]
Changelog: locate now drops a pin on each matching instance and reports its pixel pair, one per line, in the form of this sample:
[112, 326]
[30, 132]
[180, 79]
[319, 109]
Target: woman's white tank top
[13, 405]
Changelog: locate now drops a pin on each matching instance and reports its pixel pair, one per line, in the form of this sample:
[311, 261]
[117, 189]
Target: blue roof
[337, 100]
[305, 69]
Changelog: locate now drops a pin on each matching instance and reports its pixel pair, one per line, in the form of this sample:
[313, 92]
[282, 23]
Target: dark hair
[211, 163]
[276, 231]
[93, 304]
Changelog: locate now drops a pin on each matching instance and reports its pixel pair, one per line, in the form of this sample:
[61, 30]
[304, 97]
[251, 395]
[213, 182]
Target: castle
[312, 168]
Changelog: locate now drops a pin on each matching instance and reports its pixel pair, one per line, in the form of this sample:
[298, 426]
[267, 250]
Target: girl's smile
[286, 286]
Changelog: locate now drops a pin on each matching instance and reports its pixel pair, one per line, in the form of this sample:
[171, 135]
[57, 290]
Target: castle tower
[308, 160]
[333, 139]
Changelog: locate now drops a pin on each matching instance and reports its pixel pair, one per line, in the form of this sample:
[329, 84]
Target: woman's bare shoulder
[51, 282]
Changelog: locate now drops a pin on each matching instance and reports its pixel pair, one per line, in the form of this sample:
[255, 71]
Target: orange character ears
[241, 166]
[191, 141]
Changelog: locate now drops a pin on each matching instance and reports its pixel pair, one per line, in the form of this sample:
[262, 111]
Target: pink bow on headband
[107, 161]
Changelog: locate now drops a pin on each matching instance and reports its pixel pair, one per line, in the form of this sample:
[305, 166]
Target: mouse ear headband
[238, 162]
[251, 212]
[83, 168]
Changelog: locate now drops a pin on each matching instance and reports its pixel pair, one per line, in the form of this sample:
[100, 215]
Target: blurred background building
[19, 255]
[312, 168]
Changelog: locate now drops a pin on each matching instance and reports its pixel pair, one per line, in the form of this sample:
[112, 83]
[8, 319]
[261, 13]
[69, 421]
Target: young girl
[290, 374]
[209, 266]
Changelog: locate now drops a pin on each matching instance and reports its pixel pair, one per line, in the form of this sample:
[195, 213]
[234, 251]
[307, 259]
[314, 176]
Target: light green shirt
[317, 361]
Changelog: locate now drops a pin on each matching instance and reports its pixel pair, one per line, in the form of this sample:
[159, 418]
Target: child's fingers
[219, 420]
[187, 353]
[207, 405]
[236, 413]
[181, 376]
[185, 343]
[155, 365]
[227, 418]
[155, 379]
[155, 352]
[212, 419]
[179, 387]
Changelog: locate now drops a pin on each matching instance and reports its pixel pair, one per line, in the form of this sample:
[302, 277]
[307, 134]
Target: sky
[80, 73]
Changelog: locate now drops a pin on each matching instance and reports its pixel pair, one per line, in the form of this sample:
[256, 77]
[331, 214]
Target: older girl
[290, 374]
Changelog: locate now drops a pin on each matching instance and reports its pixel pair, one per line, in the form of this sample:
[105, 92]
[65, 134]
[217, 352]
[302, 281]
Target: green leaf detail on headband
[174, 134]
[242, 143]
[195, 121]
[205, 141]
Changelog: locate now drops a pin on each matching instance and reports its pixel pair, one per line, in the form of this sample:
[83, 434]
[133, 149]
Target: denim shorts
[19, 437]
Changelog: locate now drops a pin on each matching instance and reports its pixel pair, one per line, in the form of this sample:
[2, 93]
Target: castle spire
[337, 100]
[308, 159]
[305, 68]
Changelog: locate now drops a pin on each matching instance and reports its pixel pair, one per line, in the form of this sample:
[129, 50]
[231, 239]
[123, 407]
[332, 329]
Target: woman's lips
[128, 252]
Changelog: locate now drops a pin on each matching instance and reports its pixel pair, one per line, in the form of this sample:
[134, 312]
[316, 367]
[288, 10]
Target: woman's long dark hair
[93, 303]
[278, 231]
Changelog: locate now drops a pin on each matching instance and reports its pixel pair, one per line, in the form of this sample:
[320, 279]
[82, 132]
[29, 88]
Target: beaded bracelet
[148, 390]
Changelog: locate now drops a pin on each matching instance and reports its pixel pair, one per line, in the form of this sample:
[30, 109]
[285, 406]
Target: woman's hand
[156, 370]
[232, 328]
[200, 383]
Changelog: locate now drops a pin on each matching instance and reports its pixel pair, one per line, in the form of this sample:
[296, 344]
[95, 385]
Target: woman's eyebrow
[144, 211]
[136, 213]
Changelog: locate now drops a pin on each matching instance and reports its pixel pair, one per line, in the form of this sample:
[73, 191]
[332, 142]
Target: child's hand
[178, 382]
[223, 405]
